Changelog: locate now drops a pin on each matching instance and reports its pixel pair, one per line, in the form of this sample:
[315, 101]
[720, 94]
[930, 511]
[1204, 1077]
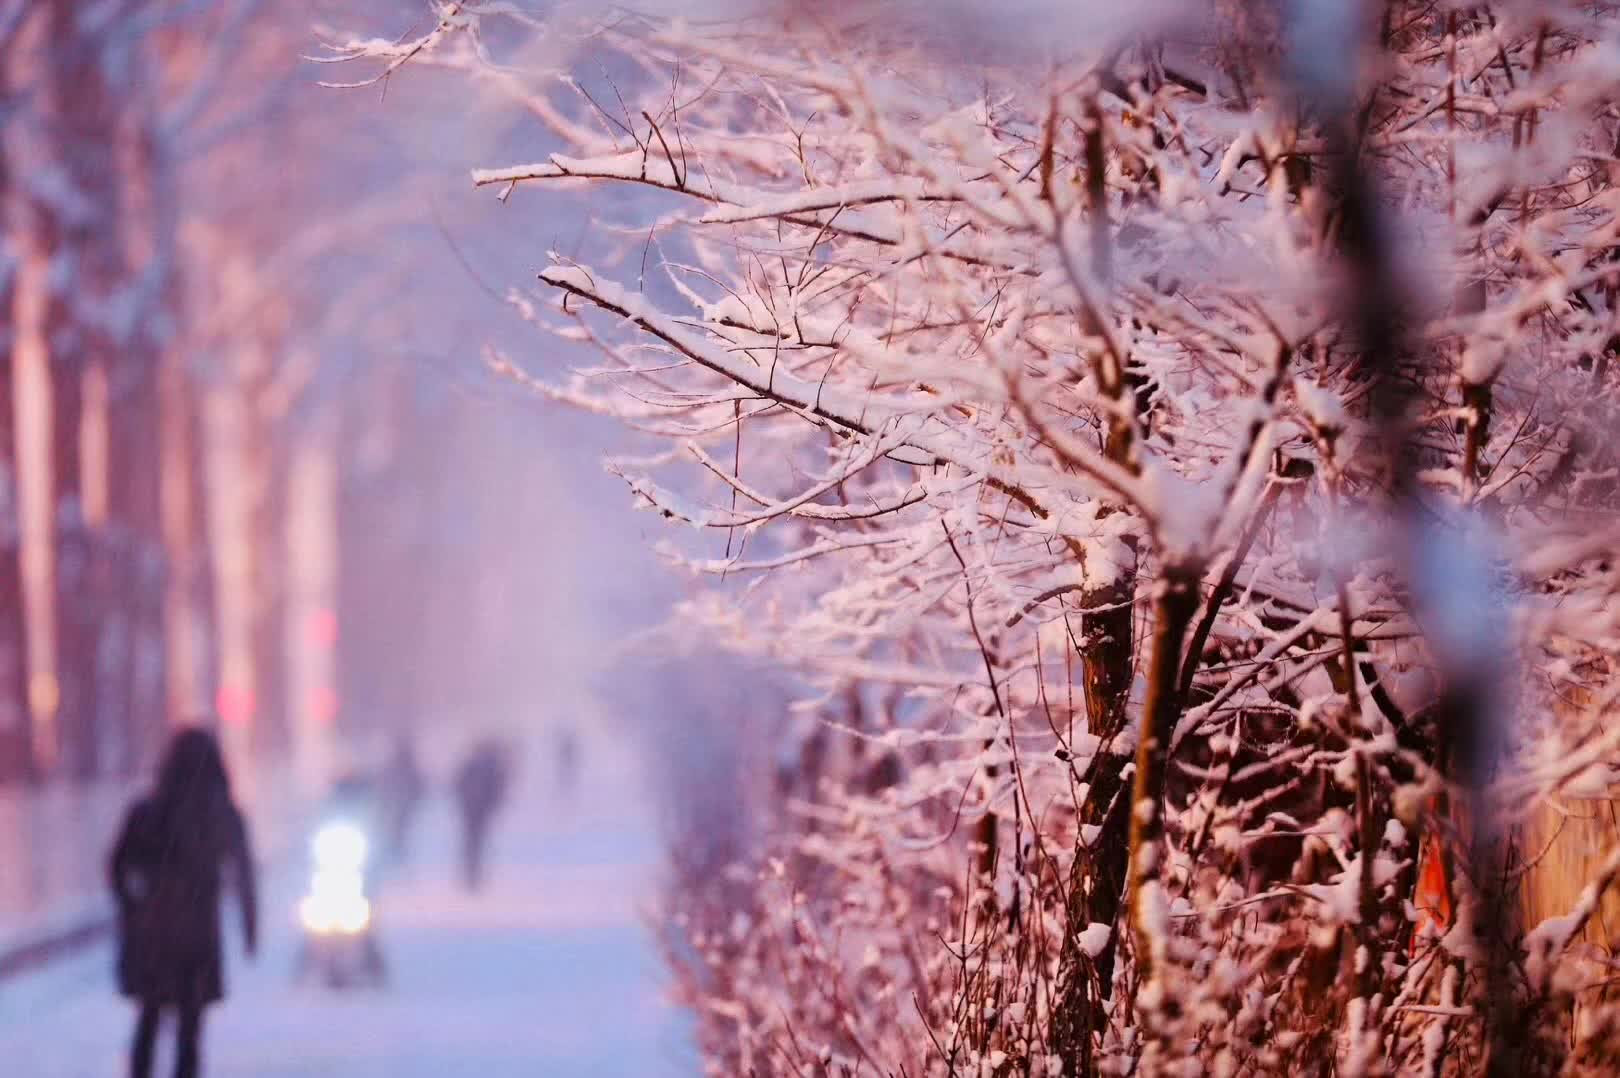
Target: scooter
[340, 943]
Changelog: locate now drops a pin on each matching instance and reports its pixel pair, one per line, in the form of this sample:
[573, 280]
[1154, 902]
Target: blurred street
[549, 971]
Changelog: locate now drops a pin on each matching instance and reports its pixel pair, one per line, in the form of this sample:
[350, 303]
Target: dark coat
[481, 782]
[167, 871]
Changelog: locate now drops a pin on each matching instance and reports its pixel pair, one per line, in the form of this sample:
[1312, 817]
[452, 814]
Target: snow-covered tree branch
[1175, 464]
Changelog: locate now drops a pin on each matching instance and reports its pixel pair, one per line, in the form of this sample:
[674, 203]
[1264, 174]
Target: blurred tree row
[104, 591]
[251, 468]
[169, 486]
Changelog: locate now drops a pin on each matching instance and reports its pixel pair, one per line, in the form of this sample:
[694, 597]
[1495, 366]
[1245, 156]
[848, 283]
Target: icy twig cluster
[1178, 465]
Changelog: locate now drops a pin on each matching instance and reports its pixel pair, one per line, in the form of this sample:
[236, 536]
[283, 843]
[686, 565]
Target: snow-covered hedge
[1174, 449]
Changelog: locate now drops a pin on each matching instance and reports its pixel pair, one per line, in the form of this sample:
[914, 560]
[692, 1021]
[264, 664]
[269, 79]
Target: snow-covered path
[549, 972]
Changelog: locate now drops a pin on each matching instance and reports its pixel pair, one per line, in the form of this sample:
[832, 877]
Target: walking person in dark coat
[166, 871]
[480, 788]
[402, 788]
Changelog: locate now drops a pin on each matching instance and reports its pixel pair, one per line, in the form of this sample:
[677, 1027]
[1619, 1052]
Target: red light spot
[234, 704]
[323, 704]
[323, 628]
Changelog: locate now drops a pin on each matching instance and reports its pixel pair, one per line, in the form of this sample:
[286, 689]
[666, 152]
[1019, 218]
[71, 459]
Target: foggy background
[258, 474]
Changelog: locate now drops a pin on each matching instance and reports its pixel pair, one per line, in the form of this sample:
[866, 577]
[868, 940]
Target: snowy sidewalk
[549, 972]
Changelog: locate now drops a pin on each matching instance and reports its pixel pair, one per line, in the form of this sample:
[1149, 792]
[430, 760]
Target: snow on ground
[549, 972]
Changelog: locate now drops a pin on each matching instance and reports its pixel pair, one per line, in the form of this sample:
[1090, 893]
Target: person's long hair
[193, 794]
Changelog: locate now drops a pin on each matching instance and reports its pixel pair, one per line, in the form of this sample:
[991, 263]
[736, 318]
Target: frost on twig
[1170, 472]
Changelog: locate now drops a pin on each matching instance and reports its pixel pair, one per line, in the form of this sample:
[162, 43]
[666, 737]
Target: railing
[53, 846]
[54, 841]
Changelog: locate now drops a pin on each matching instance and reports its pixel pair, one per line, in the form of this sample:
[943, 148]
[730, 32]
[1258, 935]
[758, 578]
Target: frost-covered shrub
[1174, 451]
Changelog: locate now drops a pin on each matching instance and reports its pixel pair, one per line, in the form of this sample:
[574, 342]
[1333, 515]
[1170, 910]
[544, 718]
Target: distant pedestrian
[567, 750]
[353, 797]
[178, 846]
[400, 796]
[480, 788]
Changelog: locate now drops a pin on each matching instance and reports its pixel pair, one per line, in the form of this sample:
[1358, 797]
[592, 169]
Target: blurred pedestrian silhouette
[401, 795]
[567, 749]
[480, 787]
[353, 797]
[166, 871]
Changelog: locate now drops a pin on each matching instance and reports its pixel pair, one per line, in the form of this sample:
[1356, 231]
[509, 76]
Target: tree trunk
[34, 319]
[1173, 611]
[187, 599]
[16, 742]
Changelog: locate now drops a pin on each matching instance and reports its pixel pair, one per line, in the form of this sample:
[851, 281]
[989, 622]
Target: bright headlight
[336, 902]
[335, 914]
[340, 846]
